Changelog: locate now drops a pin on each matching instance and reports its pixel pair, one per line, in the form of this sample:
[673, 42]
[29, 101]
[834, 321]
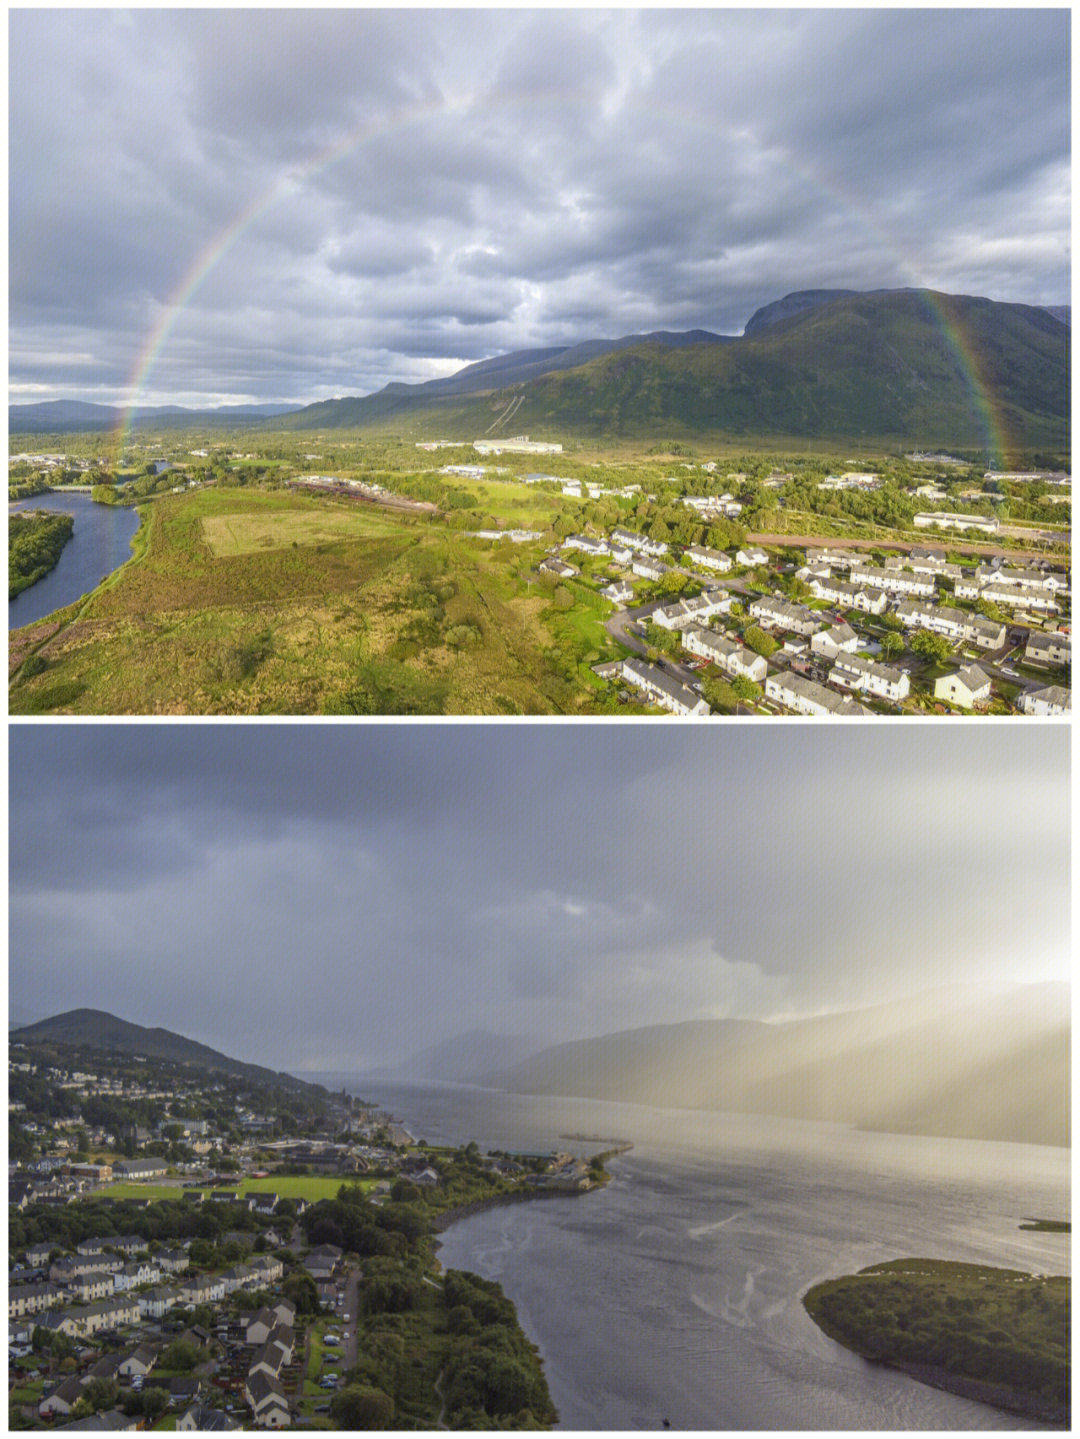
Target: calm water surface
[100, 543]
[675, 1292]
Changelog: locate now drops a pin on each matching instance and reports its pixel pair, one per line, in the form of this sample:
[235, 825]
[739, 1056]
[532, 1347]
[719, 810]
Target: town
[194, 1250]
[791, 585]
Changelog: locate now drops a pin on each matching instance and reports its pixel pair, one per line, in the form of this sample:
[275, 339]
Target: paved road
[617, 628]
[348, 1331]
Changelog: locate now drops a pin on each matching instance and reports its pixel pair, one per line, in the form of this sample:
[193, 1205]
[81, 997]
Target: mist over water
[675, 1292]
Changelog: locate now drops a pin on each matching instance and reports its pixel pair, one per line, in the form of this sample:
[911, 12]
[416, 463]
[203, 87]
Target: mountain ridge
[917, 366]
[942, 1064]
[98, 1029]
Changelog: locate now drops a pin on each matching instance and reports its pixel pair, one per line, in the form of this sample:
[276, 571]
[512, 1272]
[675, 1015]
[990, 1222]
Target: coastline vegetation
[996, 1335]
[36, 540]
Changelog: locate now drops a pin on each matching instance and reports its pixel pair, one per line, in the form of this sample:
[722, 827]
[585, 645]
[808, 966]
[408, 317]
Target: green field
[249, 601]
[248, 534]
[286, 1186]
[999, 1335]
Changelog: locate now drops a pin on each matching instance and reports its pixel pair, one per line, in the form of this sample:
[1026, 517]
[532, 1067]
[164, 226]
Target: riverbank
[983, 1391]
[36, 540]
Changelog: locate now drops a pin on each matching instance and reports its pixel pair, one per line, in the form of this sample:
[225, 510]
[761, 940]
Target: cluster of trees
[35, 541]
[165, 1221]
[985, 1324]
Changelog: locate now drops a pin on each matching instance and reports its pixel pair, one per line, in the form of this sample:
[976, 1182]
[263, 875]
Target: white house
[835, 559]
[554, 566]
[784, 615]
[649, 568]
[1053, 700]
[620, 592]
[965, 688]
[751, 556]
[711, 559]
[641, 544]
[692, 611]
[1047, 649]
[586, 544]
[898, 582]
[726, 654]
[853, 672]
[837, 639]
[155, 1303]
[954, 624]
[662, 689]
[797, 693]
[1027, 597]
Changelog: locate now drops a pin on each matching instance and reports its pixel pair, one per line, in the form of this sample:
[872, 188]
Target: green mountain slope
[95, 1029]
[904, 363]
[916, 365]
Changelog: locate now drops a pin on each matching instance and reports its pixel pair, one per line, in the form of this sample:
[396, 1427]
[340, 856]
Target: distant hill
[888, 364]
[1060, 312]
[94, 1029]
[397, 399]
[62, 416]
[945, 1063]
[469, 1058]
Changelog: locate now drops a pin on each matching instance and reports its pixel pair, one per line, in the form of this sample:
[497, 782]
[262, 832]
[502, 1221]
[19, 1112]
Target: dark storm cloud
[535, 880]
[400, 191]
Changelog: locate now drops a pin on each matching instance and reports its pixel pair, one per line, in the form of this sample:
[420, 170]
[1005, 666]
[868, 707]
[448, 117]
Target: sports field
[311, 1187]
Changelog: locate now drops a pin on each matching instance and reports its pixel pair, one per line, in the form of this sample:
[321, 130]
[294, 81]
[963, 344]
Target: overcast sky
[330, 897]
[349, 197]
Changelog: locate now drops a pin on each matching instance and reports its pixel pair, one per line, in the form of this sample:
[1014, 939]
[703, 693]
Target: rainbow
[988, 408]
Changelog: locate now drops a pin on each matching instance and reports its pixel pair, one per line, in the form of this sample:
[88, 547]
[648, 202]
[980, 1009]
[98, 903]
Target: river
[100, 543]
[675, 1292]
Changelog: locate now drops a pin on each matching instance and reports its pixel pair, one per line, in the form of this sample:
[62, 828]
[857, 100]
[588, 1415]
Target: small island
[36, 539]
[1047, 1226]
[998, 1336]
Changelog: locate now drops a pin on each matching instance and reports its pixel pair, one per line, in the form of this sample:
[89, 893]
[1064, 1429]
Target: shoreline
[983, 1391]
[443, 1221]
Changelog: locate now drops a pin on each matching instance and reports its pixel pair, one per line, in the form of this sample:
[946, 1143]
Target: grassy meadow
[248, 601]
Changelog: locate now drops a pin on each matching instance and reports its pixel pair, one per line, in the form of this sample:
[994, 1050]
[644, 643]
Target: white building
[518, 445]
[662, 689]
[686, 612]
[797, 693]
[965, 687]
[640, 544]
[988, 524]
[726, 654]
[620, 592]
[586, 544]
[900, 582]
[853, 672]
[1054, 700]
[784, 615]
[1047, 649]
[711, 559]
[836, 640]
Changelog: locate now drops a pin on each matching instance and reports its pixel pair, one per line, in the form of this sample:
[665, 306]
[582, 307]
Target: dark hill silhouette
[95, 1029]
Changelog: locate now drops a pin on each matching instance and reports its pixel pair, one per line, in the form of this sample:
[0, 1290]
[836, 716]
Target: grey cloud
[388, 182]
[528, 873]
